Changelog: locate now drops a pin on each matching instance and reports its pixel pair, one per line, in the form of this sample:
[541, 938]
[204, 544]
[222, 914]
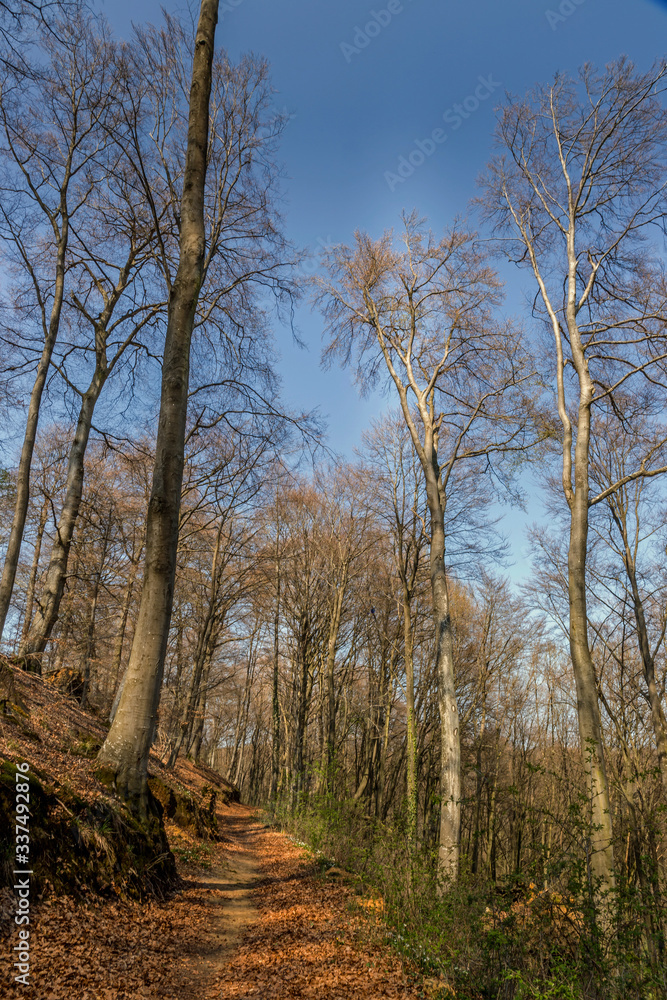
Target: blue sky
[367, 83]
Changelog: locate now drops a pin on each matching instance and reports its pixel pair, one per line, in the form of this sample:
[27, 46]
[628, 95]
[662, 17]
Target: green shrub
[502, 940]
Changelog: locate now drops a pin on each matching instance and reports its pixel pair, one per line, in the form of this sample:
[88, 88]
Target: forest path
[301, 937]
[227, 893]
[262, 921]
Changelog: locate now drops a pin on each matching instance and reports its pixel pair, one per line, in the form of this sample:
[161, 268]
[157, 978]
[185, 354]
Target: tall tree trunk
[34, 568]
[117, 660]
[479, 788]
[25, 462]
[575, 484]
[303, 653]
[411, 729]
[450, 743]
[588, 708]
[275, 702]
[51, 596]
[126, 748]
[330, 672]
[450, 739]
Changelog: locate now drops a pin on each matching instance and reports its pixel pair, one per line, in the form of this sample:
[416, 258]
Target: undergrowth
[195, 854]
[478, 939]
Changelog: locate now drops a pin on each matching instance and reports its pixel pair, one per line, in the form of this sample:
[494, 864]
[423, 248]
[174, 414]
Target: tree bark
[450, 743]
[25, 462]
[575, 485]
[275, 700]
[126, 749]
[51, 596]
[302, 695]
[411, 734]
[450, 740]
[330, 672]
[588, 708]
[34, 568]
[49, 606]
[120, 637]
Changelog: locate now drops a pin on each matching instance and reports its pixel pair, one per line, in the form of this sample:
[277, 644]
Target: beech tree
[398, 497]
[113, 303]
[53, 162]
[576, 195]
[632, 536]
[126, 748]
[218, 564]
[423, 309]
[216, 329]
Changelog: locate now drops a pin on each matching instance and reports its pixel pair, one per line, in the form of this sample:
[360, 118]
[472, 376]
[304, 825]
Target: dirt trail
[228, 895]
[261, 922]
[305, 941]
[275, 929]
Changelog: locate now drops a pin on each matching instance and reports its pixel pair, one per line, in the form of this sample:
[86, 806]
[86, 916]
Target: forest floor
[262, 921]
[255, 915]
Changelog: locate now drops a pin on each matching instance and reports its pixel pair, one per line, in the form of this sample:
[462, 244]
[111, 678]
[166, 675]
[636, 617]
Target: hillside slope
[82, 839]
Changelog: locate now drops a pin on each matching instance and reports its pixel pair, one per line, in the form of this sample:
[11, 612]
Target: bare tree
[629, 533]
[114, 301]
[126, 748]
[423, 311]
[22, 20]
[397, 494]
[224, 573]
[577, 195]
[53, 164]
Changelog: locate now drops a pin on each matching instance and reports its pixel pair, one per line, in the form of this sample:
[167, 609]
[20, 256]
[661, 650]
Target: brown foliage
[305, 943]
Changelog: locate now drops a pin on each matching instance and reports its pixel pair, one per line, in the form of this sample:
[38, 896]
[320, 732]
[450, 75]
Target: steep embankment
[82, 839]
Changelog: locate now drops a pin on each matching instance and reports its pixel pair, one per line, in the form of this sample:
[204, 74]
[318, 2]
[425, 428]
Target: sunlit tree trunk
[411, 729]
[340, 587]
[450, 750]
[275, 700]
[59, 152]
[120, 635]
[576, 489]
[126, 749]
